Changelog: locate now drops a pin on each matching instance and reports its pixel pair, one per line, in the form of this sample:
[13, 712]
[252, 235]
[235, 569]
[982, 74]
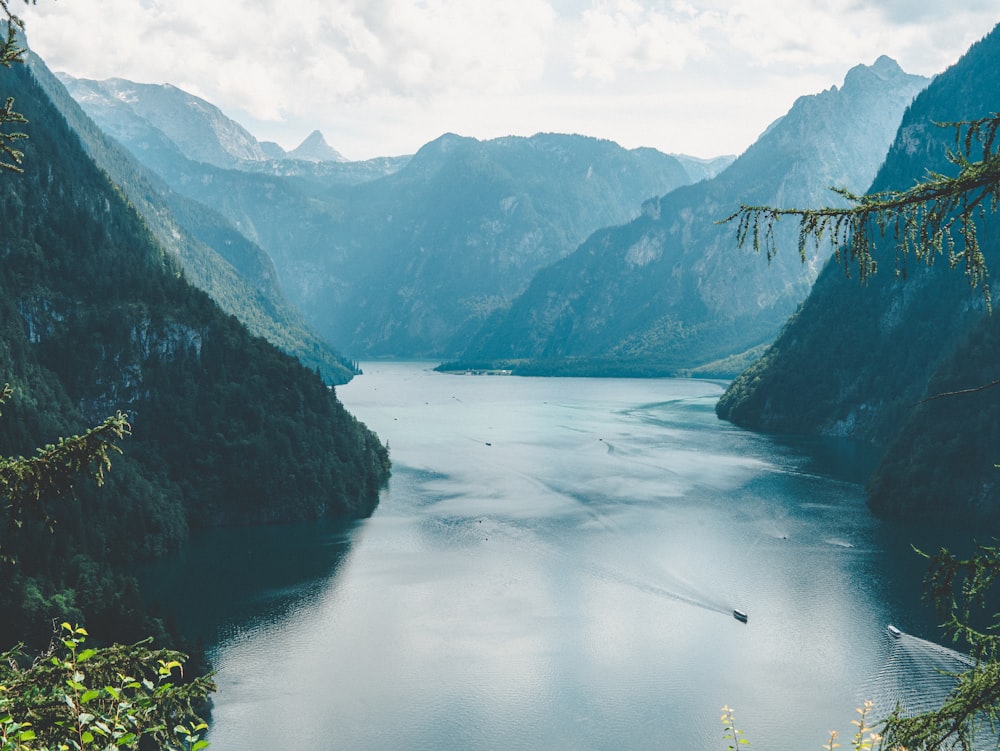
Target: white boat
[894, 632]
[740, 615]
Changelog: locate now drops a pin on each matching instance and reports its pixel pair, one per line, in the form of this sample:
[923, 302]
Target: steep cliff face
[859, 361]
[671, 290]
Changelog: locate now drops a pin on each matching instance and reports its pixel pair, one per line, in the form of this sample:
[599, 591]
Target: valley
[310, 495]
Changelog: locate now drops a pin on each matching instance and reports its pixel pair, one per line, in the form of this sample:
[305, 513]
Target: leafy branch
[935, 217]
[117, 697]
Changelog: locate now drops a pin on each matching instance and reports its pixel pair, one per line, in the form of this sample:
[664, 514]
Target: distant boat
[894, 632]
[740, 615]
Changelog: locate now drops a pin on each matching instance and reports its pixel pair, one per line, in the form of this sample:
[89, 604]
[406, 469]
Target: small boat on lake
[894, 632]
[740, 615]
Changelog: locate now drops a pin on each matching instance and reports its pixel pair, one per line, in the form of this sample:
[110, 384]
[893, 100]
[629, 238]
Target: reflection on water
[229, 581]
[554, 566]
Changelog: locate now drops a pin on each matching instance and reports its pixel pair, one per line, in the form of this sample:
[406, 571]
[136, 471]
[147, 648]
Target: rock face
[198, 129]
[670, 290]
[315, 149]
[860, 362]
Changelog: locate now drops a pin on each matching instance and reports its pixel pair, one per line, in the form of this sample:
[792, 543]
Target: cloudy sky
[383, 77]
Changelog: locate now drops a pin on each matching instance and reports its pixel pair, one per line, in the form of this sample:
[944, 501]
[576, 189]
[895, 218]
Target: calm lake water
[554, 566]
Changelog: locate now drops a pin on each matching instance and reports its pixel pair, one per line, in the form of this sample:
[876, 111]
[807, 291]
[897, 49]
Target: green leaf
[86, 655]
[89, 696]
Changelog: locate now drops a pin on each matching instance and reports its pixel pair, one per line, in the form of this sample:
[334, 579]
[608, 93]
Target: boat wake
[917, 675]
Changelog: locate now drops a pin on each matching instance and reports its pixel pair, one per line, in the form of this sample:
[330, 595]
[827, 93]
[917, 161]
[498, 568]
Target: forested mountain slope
[235, 272]
[95, 316]
[859, 361]
[670, 291]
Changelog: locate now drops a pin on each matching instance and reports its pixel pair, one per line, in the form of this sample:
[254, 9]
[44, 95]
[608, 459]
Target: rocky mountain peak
[315, 149]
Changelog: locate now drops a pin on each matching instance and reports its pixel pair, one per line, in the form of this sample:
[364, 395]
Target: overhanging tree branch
[936, 217]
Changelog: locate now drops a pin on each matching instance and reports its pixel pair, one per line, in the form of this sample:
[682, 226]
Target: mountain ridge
[669, 292]
[237, 273]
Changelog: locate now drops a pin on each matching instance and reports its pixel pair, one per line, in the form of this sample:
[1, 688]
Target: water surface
[554, 565]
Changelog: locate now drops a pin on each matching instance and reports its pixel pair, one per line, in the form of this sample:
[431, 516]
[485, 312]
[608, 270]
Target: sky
[384, 77]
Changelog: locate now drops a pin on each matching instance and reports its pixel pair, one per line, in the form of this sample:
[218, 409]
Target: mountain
[703, 169]
[197, 128]
[421, 258]
[670, 291]
[408, 256]
[867, 362]
[215, 256]
[272, 150]
[163, 125]
[315, 149]
[96, 316]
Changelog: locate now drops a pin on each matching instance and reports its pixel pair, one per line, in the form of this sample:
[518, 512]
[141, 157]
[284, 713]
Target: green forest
[97, 317]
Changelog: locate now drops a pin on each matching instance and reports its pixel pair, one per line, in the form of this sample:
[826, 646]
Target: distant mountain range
[403, 256]
[870, 362]
[215, 255]
[669, 292]
[162, 116]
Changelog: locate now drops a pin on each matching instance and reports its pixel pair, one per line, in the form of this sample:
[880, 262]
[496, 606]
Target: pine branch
[923, 219]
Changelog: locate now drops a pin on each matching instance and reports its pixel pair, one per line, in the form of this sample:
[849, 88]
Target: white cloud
[625, 36]
[385, 76]
[274, 57]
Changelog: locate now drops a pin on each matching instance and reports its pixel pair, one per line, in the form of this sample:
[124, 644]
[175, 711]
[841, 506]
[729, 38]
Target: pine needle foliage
[934, 218]
[11, 51]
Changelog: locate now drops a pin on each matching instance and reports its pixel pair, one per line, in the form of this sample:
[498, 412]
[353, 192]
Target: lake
[555, 565]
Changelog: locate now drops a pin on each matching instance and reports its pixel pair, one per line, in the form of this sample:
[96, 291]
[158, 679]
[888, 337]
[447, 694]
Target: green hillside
[95, 316]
